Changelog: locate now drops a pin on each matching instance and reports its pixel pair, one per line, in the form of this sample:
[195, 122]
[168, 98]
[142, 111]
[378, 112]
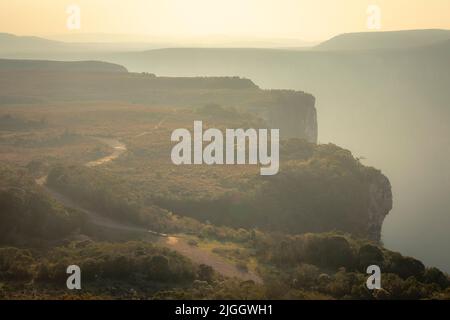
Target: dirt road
[201, 256]
[118, 149]
[175, 243]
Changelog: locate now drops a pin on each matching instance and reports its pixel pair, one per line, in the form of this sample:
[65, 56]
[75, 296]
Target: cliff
[380, 203]
[320, 188]
[294, 113]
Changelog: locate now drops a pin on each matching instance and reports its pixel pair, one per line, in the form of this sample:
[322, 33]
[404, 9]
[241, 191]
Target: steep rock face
[380, 203]
[293, 112]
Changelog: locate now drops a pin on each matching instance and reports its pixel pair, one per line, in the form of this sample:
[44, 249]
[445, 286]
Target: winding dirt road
[176, 243]
[118, 149]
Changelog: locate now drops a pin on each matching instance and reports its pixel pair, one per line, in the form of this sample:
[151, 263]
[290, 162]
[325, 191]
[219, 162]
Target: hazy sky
[305, 19]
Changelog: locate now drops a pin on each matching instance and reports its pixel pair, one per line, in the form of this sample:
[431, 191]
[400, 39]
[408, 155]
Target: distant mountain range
[66, 66]
[10, 43]
[80, 43]
[214, 40]
[12, 46]
[384, 40]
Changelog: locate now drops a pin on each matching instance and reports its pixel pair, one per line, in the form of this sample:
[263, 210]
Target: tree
[205, 273]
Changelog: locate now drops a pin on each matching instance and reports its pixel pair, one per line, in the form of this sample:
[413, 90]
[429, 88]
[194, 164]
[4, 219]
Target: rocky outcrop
[380, 203]
[293, 112]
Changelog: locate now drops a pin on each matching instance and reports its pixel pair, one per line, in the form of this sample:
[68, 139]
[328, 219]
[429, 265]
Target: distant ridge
[74, 66]
[13, 43]
[385, 40]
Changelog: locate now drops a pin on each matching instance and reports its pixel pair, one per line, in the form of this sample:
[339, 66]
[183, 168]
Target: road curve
[175, 243]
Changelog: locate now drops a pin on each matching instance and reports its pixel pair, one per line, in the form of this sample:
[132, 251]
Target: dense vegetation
[312, 266]
[335, 265]
[28, 215]
[269, 226]
[128, 270]
[319, 188]
[105, 194]
[307, 266]
[8, 122]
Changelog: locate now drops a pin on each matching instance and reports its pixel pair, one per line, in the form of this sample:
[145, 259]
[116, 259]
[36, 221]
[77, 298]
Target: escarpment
[292, 112]
[319, 188]
[380, 203]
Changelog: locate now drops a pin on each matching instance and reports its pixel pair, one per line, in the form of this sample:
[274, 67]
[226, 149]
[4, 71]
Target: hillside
[62, 66]
[307, 266]
[10, 43]
[28, 47]
[384, 40]
[28, 216]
